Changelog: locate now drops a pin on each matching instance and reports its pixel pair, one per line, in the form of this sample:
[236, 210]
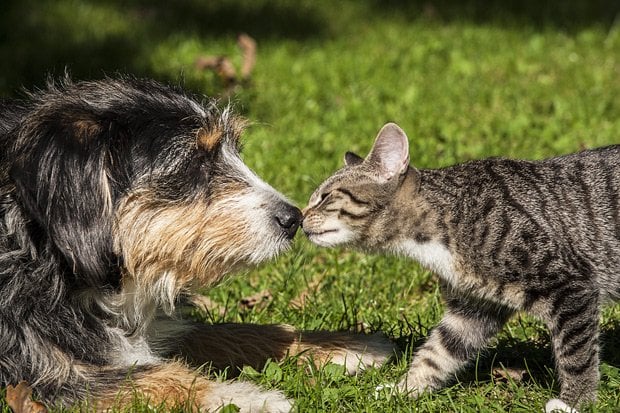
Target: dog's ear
[61, 173]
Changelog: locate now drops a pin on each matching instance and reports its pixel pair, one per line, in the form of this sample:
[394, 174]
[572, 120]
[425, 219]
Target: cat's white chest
[432, 255]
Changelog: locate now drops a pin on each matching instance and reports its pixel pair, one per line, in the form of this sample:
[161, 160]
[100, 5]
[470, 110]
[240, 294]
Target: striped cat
[503, 236]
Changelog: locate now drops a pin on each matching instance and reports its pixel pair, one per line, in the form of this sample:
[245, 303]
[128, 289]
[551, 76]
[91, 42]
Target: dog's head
[130, 180]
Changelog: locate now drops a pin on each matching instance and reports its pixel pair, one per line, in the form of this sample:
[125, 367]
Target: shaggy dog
[117, 198]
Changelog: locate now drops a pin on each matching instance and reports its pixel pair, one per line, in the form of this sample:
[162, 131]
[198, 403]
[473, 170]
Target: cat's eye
[319, 198]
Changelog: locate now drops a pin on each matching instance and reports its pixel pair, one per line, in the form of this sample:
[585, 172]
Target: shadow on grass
[610, 343]
[93, 37]
[536, 358]
[568, 15]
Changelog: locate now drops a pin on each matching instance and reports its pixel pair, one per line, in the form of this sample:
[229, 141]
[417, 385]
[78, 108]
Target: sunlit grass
[328, 76]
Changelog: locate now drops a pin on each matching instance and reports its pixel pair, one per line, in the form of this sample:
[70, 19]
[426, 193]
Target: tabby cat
[503, 236]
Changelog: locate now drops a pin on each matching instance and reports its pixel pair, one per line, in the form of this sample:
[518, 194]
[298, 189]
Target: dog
[118, 198]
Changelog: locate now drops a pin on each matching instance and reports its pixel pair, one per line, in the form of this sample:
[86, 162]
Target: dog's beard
[201, 242]
[181, 246]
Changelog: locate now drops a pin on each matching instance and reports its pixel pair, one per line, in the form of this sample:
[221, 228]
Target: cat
[502, 235]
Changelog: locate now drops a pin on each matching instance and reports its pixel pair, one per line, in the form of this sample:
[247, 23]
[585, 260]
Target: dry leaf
[508, 374]
[313, 287]
[206, 304]
[430, 11]
[19, 399]
[258, 300]
[223, 66]
[248, 50]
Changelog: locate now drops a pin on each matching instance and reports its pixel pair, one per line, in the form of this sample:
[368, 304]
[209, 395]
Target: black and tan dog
[117, 197]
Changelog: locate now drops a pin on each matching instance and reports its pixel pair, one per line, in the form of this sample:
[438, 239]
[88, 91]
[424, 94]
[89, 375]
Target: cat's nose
[288, 218]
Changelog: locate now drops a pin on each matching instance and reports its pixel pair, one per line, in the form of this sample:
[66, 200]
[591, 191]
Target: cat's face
[351, 204]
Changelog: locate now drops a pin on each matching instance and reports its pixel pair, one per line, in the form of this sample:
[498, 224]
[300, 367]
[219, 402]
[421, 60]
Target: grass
[465, 80]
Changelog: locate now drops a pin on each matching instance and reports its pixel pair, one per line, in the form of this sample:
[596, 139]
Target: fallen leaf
[258, 300]
[19, 399]
[206, 304]
[248, 50]
[507, 374]
[223, 66]
[313, 287]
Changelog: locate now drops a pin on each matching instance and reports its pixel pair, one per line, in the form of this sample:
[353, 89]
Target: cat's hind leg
[465, 329]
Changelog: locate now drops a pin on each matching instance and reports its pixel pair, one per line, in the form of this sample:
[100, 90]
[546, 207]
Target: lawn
[466, 80]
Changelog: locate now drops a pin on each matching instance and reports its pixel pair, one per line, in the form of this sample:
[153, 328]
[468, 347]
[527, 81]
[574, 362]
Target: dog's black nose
[288, 218]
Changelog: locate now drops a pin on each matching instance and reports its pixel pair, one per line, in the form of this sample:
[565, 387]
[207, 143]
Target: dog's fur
[117, 197]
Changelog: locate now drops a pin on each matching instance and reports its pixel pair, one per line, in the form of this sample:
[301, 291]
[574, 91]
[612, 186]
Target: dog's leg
[236, 345]
[174, 385]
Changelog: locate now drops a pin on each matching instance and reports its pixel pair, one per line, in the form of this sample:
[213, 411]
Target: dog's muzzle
[288, 219]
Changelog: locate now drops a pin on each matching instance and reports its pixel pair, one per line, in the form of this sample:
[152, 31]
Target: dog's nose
[288, 218]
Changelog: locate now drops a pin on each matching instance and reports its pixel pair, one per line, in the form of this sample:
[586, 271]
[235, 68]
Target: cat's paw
[392, 389]
[416, 382]
[248, 398]
[558, 406]
[412, 390]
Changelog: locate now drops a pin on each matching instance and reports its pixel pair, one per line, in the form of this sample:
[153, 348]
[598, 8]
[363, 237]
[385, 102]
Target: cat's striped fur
[503, 235]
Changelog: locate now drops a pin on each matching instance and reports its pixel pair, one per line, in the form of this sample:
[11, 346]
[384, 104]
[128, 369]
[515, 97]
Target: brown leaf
[248, 51]
[508, 374]
[430, 11]
[19, 399]
[221, 65]
[258, 300]
[207, 62]
[206, 304]
[313, 287]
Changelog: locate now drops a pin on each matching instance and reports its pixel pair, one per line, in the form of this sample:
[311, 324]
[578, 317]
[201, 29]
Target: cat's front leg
[574, 327]
[466, 328]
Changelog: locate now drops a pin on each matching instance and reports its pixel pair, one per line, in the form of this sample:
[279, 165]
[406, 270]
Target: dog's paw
[558, 406]
[248, 398]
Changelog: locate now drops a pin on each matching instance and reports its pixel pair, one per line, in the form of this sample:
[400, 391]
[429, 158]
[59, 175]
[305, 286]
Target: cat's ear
[390, 153]
[351, 159]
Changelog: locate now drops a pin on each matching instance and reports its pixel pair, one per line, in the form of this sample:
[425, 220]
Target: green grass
[464, 79]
